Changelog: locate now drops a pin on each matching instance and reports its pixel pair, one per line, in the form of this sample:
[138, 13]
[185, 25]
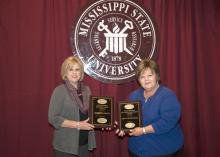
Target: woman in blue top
[161, 134]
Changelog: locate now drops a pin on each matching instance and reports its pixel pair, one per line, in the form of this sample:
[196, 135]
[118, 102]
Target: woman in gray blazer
[68, 113]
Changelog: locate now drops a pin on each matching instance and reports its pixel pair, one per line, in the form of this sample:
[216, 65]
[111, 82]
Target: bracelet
[77, 124]
[144, 130]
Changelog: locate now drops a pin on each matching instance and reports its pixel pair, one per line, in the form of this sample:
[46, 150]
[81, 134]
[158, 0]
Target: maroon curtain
[35, 39]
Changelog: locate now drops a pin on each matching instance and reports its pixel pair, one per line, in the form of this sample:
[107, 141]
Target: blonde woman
[68, 113]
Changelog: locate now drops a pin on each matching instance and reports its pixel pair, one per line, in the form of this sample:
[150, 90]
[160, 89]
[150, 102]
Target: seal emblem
[111, 37]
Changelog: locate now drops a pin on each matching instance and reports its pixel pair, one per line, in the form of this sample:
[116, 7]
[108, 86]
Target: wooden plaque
[129, 115]
[101, 111]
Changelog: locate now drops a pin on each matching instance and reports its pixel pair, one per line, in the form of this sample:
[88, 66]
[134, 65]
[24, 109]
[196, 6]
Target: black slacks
[131, 154]
[83, 152]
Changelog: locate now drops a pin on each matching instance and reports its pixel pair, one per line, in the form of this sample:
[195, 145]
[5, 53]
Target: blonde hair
[66, 65]
[148, 63]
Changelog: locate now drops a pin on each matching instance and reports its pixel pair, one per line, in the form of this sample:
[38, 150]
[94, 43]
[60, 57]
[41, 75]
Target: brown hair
[148, 63]
[67, 65]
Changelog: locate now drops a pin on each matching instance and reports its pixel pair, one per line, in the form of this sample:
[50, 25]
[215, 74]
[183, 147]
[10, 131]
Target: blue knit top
[162, 111]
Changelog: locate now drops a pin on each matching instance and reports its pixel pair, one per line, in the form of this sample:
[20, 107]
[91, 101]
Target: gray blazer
[62, 107]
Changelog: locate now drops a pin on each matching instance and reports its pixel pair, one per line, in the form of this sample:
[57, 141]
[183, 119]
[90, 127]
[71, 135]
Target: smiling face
[148, 80]
[73, 74]
[72, 70]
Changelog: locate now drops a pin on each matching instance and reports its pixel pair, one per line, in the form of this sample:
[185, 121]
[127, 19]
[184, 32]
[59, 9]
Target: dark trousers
[83, 152]
[131, 154]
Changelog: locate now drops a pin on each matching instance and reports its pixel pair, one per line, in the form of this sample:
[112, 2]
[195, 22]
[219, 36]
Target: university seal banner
[111, 37]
